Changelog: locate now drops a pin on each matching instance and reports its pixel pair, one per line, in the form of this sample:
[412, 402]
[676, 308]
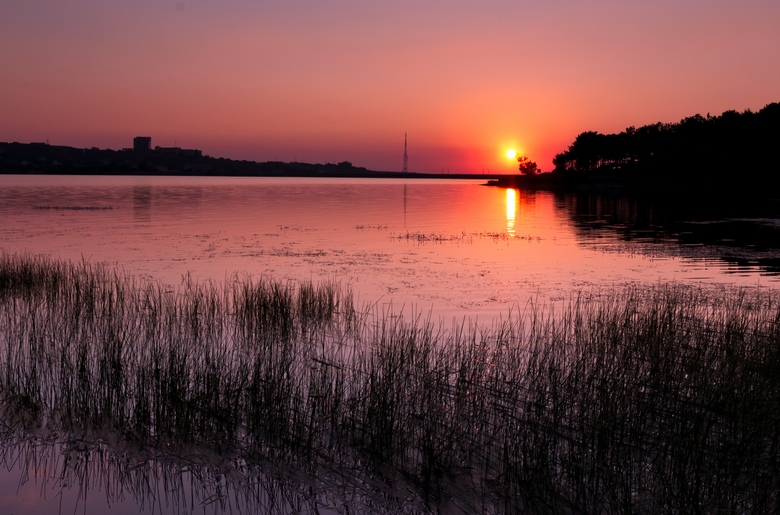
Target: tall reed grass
[639, 400]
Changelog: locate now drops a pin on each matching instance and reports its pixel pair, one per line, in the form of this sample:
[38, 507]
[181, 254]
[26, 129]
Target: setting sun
[511, 154]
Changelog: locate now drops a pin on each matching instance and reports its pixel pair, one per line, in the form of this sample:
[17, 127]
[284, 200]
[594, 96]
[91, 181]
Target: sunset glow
[511, 202]
[344, 81]
[511, 154]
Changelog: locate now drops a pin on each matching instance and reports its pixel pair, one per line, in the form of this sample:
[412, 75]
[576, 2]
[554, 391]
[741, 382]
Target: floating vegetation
[285, 397]
[289, 251]
[420, 237]
[423, 238]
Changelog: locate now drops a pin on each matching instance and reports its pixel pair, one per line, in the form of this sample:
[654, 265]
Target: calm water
[454, 247]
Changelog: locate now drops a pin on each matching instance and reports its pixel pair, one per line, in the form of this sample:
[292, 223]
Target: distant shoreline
[45, 159]
[489, 178]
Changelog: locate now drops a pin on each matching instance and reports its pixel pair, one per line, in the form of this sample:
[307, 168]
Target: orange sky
[343, 79]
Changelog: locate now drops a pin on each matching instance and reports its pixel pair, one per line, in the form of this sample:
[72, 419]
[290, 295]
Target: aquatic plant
[645, 400]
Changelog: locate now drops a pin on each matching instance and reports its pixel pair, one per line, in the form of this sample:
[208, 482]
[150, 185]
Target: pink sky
[335, 80]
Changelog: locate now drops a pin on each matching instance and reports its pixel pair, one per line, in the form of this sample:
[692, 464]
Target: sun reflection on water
[511, 202]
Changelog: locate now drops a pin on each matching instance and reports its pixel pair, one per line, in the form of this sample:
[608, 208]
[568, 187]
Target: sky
[343, 80]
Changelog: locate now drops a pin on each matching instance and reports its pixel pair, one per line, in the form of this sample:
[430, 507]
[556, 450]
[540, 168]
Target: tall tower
[406, 157]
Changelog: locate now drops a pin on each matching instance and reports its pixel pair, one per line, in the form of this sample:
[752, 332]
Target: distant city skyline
[346, 80]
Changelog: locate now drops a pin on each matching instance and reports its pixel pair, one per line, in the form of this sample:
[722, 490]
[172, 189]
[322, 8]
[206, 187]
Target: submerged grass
[660, 399]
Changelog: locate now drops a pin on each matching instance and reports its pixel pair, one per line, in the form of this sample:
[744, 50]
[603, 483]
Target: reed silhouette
[278, 396]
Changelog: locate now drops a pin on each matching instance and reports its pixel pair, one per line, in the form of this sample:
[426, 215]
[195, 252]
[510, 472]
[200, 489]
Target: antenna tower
[406, 157]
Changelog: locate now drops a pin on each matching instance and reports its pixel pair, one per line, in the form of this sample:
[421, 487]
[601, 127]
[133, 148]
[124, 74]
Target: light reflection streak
[511, 202]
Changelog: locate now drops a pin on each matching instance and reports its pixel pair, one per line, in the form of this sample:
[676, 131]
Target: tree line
[733, 146]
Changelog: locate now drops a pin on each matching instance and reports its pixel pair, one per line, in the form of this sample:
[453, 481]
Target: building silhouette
[142, 143]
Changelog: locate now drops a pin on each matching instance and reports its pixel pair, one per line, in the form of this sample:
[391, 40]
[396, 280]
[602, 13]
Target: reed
[648, 400]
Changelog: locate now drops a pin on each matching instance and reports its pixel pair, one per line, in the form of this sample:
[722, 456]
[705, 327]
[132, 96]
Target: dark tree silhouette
[526, 166]
[697, 150]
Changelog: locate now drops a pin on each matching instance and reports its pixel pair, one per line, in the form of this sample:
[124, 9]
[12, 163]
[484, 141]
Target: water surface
[455, 247]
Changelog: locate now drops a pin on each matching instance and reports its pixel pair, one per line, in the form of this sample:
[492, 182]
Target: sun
[511, 154]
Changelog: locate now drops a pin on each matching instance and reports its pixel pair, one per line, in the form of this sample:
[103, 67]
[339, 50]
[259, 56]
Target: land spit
[255, 394]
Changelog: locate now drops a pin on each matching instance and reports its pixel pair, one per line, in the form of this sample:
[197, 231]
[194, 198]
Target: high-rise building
[142, 143]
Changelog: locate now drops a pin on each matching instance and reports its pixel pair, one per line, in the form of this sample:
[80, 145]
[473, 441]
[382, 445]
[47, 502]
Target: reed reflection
[511, 203]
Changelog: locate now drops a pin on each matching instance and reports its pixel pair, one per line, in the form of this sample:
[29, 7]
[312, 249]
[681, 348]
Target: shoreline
[44, 159]
[369, 175]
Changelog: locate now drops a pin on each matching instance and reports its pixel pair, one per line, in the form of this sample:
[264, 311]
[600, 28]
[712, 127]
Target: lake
[454, 247]
[449, 248]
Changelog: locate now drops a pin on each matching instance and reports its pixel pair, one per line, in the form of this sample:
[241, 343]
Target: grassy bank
[663, 399]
